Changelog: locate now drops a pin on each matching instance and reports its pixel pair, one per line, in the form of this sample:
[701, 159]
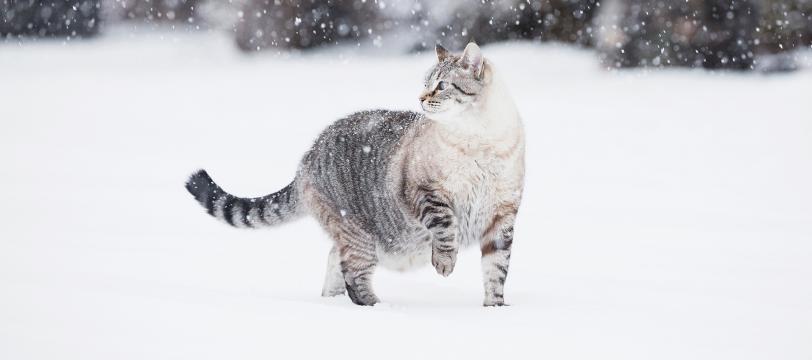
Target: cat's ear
[472, 59]
[442, 53]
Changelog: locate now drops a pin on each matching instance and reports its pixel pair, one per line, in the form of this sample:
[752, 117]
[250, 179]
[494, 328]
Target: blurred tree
[702, 33]
[785, 25]
[303, 24]
[456, 22]
[72, 18]
[154, 10]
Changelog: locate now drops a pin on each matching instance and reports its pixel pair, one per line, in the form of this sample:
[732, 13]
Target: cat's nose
[423, 97]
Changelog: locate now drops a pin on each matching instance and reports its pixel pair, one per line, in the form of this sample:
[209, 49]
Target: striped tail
[264, 211]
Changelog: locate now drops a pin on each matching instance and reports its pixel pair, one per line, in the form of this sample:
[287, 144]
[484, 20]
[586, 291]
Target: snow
[667, 215]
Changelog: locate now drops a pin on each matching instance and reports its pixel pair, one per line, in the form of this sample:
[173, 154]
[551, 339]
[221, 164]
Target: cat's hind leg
[334, 279]
[358, 261]
[357, 256]
[356, 250]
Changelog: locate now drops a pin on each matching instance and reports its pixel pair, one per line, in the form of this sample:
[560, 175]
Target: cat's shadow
[461, 302]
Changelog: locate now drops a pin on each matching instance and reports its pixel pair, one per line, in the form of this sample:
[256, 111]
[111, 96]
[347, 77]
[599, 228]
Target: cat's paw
[444, 262]
[363, 300]
[493, 300]
[361, 297]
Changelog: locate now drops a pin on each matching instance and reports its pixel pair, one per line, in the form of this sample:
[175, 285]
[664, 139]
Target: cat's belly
[406, 252]
[412, 250]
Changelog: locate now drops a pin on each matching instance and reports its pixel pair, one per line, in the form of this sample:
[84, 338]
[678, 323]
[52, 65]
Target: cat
[401, 189]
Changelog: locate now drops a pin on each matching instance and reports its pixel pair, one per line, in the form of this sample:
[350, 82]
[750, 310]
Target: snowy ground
[667, 215]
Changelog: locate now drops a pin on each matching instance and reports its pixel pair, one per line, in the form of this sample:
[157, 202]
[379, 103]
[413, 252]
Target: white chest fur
[477, 158]
[479, 186]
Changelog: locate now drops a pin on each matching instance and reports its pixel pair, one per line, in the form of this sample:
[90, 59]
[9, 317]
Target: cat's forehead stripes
[441, 69]
[445, 67]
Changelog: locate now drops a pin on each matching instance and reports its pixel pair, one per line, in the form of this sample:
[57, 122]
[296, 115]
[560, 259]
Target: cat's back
[369, 135]
[349, 161]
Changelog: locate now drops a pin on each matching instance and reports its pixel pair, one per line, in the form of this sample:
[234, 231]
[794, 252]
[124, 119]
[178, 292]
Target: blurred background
[715, 34]
[667, 211]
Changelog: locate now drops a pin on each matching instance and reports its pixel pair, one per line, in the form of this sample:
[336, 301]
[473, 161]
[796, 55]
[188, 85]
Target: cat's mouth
[432, 106]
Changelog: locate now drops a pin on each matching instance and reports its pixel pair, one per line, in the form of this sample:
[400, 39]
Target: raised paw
[443, 262]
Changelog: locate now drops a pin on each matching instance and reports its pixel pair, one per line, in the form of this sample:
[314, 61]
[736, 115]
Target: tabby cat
[400, 188]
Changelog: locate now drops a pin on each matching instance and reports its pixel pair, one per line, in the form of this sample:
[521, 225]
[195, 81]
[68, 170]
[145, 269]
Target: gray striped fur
[401, 189]
[240, 212]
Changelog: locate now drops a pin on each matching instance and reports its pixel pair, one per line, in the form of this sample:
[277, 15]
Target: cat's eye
[442, 86]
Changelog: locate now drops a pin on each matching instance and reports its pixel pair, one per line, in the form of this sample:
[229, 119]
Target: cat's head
[455, 84]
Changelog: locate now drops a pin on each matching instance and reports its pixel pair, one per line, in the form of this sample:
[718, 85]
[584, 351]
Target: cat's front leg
[436, 214]
[496, 245]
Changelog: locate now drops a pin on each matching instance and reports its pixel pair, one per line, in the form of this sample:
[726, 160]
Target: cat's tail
[264, 211]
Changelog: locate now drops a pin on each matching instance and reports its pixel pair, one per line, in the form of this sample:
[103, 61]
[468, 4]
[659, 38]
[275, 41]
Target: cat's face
[454, 84]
